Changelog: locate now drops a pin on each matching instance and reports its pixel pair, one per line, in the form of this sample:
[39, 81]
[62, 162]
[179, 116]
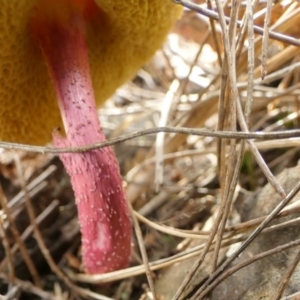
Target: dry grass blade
[286, 277]
[139, 235]
[232, 270]
[28, 260]
[8, 254]
[227, 263]
[37, 232]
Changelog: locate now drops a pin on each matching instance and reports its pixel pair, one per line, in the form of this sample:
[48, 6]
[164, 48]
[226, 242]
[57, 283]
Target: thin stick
[139, 236]
[160, 138]
[29, 287]
[234, 269]
[235, 158]
[252, 236]
[265, 39]
[43, 247]
[138, 270]
[285, 278]
[28, 261]
[181, 130]
[8, 253]
[214, 35]
[27, 232]
[30, 187]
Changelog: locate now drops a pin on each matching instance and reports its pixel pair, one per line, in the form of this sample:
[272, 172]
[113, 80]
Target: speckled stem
[102, 207]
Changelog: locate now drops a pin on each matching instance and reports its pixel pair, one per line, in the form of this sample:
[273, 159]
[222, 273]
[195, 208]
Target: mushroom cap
[119, 44]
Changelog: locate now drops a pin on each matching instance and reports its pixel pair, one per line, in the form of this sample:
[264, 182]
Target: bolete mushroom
[58, 60]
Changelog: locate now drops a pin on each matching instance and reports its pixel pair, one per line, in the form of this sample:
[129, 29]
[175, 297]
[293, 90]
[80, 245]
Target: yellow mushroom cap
[118, 47]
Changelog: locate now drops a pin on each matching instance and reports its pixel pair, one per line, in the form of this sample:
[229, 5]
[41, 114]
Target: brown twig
[181, 130]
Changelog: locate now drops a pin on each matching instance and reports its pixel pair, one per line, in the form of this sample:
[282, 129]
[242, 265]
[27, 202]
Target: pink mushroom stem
[95, 176]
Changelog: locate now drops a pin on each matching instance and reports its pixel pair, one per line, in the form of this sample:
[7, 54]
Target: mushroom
[59, 59]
